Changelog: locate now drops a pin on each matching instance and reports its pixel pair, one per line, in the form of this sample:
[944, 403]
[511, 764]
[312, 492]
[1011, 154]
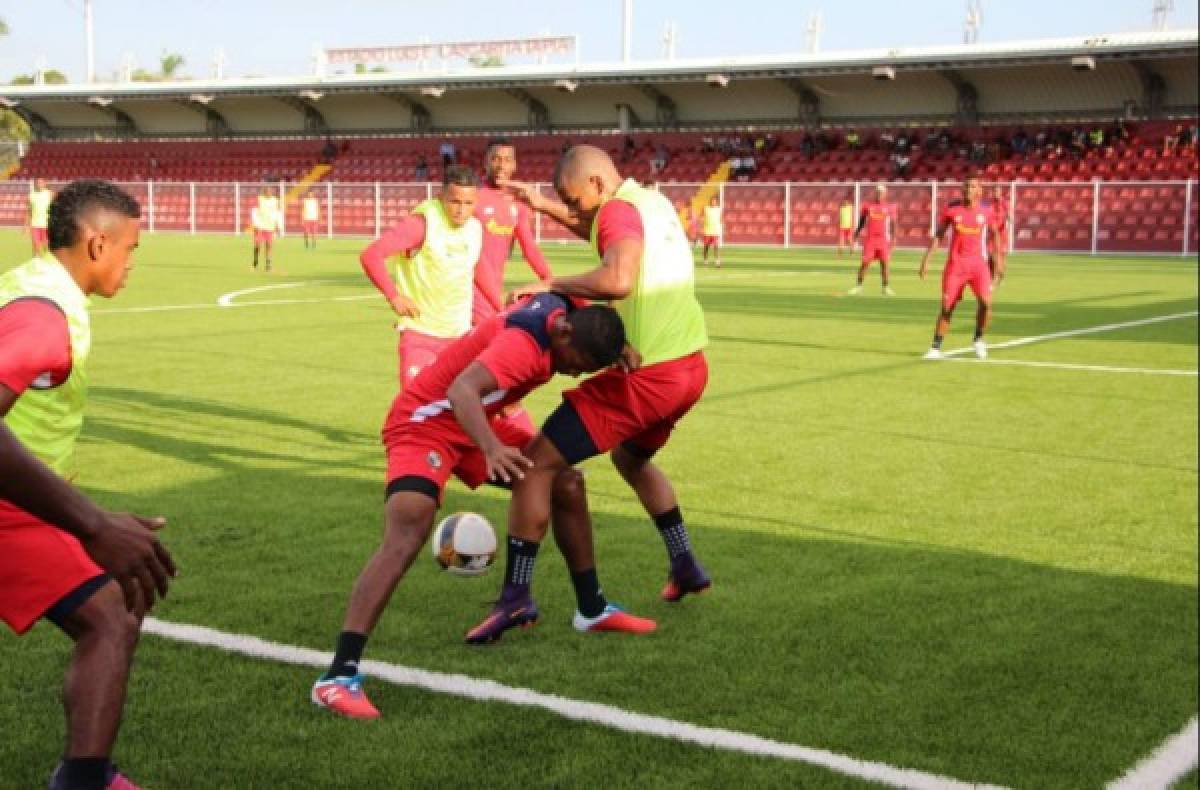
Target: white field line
[1166, 765]
[227, 300]
[576, 710]
[1072, 366]
[1024, 341]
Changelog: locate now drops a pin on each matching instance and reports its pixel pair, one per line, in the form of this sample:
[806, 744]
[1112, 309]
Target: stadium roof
[307, 91]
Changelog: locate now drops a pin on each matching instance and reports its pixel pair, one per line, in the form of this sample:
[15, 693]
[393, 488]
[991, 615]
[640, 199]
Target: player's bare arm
[933, 245]
[123, 544]
[530, 195]
[613, 279]
[466, 395]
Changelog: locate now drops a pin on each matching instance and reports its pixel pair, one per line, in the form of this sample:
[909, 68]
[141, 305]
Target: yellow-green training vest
[48, 420]
[440, 277]
[846, 217]
[662, 318]
[39, 208]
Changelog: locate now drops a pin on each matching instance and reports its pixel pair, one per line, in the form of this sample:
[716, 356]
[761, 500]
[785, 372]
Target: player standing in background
[266, 220]
[879, 219]
[92, 573]
[999, 207]
[444, 423]
[973, 243]
[434, 283]
[648, 270]
[310, 214]
[504, 221]
[845, 240]
[712, 230]
[39, 215]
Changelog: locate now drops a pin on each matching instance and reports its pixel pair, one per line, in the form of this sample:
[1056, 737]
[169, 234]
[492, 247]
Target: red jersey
[879, 220]
[1000, 211]
[504, 221]
[971, 226]
[513, 346]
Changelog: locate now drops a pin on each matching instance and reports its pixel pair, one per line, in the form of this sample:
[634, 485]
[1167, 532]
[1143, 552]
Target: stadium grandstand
[1094, 138]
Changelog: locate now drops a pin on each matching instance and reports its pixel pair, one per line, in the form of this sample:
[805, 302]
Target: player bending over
[647, 269]
[92, 573]
[444, 423]
[971, 245]
[440, 242]
[878, 217]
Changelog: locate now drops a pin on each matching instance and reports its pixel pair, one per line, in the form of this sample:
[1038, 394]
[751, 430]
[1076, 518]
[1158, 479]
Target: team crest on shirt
[43, 382]
[489, 210]
[434, 459]
[513, 210]
[979, 218]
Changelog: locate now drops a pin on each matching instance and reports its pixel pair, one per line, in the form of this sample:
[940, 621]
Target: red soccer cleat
[344, 696]
[613, 618]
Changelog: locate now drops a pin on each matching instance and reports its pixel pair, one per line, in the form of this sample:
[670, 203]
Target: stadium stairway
[307, 180]
[711, 187]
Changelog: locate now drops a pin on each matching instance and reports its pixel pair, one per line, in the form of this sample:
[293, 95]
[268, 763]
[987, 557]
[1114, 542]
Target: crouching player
[442, 424]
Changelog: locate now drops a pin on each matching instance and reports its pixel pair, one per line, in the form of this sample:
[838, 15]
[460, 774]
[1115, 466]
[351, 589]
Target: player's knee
[569, 487]
[105, 617]
[947, 312]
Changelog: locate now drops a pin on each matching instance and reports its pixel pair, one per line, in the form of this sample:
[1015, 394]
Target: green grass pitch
[985, 571]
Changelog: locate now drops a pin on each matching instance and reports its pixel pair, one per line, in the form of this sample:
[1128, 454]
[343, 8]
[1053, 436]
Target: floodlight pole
[91, 40]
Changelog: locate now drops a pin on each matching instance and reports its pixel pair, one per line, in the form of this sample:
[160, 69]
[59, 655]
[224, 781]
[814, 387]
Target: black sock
[255, 258]
[674, 533]
[588, 595]
[937, 341]
[347, 656]
[978, 334]
[518, 572]
[82, 773]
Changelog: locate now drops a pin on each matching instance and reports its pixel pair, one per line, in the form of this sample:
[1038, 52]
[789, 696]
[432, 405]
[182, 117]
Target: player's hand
[506, 464]
[630, 359]
[405, 307]
[523, 191]
[525, 291]
[126, 547]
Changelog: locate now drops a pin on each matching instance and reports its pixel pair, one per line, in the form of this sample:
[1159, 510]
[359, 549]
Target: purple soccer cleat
[522, 612]
[687, 576]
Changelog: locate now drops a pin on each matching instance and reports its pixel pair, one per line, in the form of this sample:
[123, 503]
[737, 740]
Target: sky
[278, 37]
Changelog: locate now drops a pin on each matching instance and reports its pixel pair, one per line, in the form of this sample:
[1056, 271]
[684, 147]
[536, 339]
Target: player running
[443, 423]
[878, 217]
[973, 242]
[310, 214]
[266, 220]
[39, 216]
[712, 230]
[647, 269]
[845, 240]
[92, 573]
[432, 292]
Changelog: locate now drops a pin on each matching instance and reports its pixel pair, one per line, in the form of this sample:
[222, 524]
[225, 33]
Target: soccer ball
[464, 544]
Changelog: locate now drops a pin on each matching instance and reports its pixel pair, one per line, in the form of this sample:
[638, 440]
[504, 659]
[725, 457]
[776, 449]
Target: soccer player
[712, 230]
[504, 221]
[999, 207]
[432, 292]
[91, 573]
[973, 242]
[443, 423]
[310, 214]
[630, 411]
[39, 214]
[845, 240]
[266, 220]
[879, 218]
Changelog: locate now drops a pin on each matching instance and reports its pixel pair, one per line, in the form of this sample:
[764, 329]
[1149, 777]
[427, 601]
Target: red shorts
[846, 235]
[39, 566]
[641, 407]
[263, 237]
[436, 451]
[418, 351]
[957, 276]
[38, 235]
[876, 250]
[711, 240]
[310, 227]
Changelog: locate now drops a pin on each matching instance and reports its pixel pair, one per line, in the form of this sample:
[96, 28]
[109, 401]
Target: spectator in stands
[328, 151]
[749, 166]
[707, 145]
[448, 153]
[902, 142]
[1040, 140]
[1020, 142]
[421, 172]
[944, 140]
[1077, 144]
[902, 163]
[1190, 138]
[853, 140]
[1119, 134]
[661, 158]
[627, 149]
[808, 146]
[978, 151]
[1095, 139]
[887, 141]
[772, 142]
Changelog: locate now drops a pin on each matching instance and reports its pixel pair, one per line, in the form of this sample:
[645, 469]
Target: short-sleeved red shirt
[880, 220]
[971, 226]
[618, 220]
[35, 345]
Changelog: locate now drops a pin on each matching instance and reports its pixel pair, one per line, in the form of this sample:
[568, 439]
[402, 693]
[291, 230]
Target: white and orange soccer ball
[464, 544]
